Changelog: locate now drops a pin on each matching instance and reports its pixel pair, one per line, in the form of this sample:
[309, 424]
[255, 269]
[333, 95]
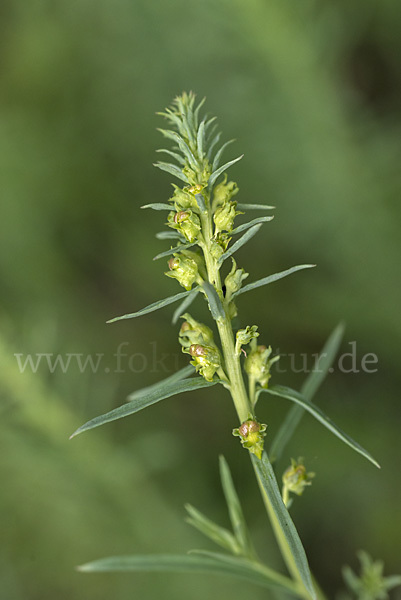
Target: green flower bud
[219, 245]
[251, 434]
[184, 199]
[223, 192]
[244, 336]
[257, 364]
[234, 279]
[186, 222]
[206, 360]
[193, 332]
[295, 479]
[184, 269]
[224, 217]
[199, 176]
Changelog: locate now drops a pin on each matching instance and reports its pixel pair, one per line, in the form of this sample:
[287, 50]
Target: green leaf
[141, 402]
[281, 520]
[392, 581]
[216, 160]
[177, 157]
[246, 226]
[158, 206]
[193, 563]
[186, 303]
[254, 207]
[200, 202]
[200, 138]
[235, 510]
[170, 235]
[238, 244]
[214, 176]
[160, 385]
[315, 411]
[213, 142]
[185, 149]
[173, 250]
[217, 534]
[270, 278]
[152, 307]
[308, 390]
[172, 169]
[216, 307]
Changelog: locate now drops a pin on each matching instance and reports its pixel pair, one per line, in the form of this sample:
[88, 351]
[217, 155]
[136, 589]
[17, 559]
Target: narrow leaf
[254, 207]
[315, 411]
[246, 226]
[171, 389]
[270, 278]
[170, 235]
[214, 532]
[192, 563]
[281, 520]
[213, 142]
[175, 155]
[235, 510]
[185, 149]
[392, 581]
[216, 307]
[200, 138]
[214, 176]
[308, 390]
[216, 160]
[158, 206]
[184, 305]
[200, 202]
[172, 169]
[152, 307]
[173, 250]
[238, 244]
[160, 385]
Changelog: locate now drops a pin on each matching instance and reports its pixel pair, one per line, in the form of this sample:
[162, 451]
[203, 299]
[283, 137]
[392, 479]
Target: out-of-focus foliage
[311, 90]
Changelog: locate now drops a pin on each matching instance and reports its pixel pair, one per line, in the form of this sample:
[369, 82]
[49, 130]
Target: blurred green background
[311, 91]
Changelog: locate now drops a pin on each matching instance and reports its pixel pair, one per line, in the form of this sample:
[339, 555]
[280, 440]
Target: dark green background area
[311, 91]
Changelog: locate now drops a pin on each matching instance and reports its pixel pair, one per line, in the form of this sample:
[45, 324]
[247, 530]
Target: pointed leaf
[238, 244]
[183, 146]
[192, 563]
[315, 411]
[140, 402]
[200, 138]
[216, 307]
[219, 153]
[392, 581]
[173, 250]
[170, 235]
[177, 157]
[214, 532]
[184, 305]
[214, 176]
[158, 206]
[308, 390]
[235, 510]
[172, 169]
[281, 520]
[246, 226]
[152, 307]
[200, 202]
[254, 207]
[271, 278]
[160, 385]
[214, 141]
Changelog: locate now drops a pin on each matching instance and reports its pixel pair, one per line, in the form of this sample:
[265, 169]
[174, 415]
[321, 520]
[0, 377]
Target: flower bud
[206, 360]
[223, 192]
[257, 364]
[186, 222]
[184, 269]
[224, 217]
[234, 279]
[251, 434]
[295, 478]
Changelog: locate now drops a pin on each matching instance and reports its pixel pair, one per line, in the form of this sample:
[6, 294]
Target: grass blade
[282, 523]
[235, 510]
[239, 243]
[178, 376]
[315, 411]
[308, 390]
[271, 278]
[198, 562]
[186, 303]
[152, 307]
[141, 402]
[219, 535]
[246, 226]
